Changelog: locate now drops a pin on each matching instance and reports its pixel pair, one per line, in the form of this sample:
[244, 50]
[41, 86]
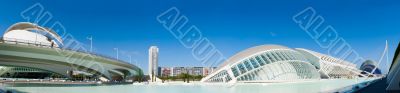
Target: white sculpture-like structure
[29, 33]
[274, 63]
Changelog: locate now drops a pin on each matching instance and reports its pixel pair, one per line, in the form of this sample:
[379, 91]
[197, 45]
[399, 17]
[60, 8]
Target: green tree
[198, 77]
[164, 78]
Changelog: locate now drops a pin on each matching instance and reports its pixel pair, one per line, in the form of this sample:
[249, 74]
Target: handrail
[48, 45]
[26, 42]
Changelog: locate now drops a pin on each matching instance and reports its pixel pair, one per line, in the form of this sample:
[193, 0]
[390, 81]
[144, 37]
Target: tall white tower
[153, 63]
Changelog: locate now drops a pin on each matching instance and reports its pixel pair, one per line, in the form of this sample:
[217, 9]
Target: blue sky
[231, 25]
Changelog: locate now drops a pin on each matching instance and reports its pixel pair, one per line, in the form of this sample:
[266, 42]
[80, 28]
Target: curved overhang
[53, 60]
[313, 53]
[249, 52]
[326, 57]
[32, 26]
[312, 57]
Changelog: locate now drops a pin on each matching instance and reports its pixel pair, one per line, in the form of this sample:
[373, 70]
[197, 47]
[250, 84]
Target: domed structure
[369, 66]
[29, 33]
[29, 48]
[275, 63]
[265, 63]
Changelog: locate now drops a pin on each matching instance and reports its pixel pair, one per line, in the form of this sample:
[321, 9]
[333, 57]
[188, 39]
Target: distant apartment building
[175, 71]
[153, 63]
[208, 70]
[164, 71]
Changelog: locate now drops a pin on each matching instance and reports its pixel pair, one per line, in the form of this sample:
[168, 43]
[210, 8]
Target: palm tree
[163, 78]
[198, 77]
[185, 77]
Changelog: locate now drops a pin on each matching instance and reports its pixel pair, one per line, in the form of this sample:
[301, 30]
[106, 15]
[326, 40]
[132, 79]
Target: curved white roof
[26, 36]
[32, 26]
[250, 51]
[328, 58]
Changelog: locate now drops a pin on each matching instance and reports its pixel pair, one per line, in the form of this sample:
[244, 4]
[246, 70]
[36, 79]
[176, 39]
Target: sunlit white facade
[30, 33]
[153, 63]
[274, 63]
[330, 67]
[29, 48]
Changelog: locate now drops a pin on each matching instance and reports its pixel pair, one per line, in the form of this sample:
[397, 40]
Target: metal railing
[25, 42]
[50, 45]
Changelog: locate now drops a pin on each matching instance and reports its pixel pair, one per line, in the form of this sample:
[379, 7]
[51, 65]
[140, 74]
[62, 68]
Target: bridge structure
[52, 57]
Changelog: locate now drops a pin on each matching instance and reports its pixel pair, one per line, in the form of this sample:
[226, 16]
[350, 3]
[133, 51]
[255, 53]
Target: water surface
[298, 87]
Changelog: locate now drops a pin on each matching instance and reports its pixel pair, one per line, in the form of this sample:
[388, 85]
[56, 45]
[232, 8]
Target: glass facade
[241, 68]
[235, 71]
[272, 64]
[248, 66]
[222, 76]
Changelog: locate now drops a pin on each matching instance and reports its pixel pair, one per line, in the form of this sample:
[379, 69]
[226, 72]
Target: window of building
[254, 63]
[260, 61]
[290, 55]
[285, 55]
[248, 66]
[272, 58]
[279, 53]
[279, 56]
[267, 61]
[235, 71]
[241, 68]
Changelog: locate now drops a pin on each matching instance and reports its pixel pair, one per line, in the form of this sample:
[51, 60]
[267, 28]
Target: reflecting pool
[297, 87]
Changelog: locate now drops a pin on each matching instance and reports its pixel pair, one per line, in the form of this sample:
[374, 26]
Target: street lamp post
[117, 53]
[91, 43]
[130, 59]
[136, 63]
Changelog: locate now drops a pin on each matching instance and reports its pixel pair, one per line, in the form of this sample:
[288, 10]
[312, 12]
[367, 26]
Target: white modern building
[274, 63]
[27, 48]
[330, 67]
[32, 34]
[153, 63]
